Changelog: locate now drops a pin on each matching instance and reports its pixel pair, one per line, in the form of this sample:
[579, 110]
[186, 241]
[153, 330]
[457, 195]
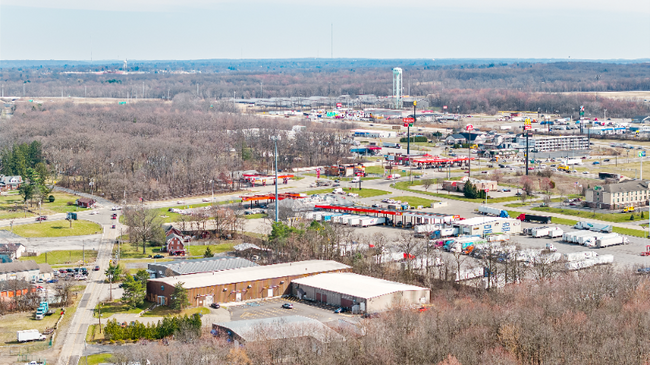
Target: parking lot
[273, 308]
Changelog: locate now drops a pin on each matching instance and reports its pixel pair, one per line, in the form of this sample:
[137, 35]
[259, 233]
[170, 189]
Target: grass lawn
[56, 229]
[108, 309]
[164, 310]
[11, 202]
[62, 257]
[199, 250]
[129, 251]
[169, 217]
[363, 193]
[630, 232]
[405, 185]
[609, 217]
[96, 359]
[375, 170]
[256, 216]
[342, 178]
[517, 205]
[414, 201]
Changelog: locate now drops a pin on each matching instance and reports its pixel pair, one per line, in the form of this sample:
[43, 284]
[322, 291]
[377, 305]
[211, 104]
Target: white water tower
[397, 87]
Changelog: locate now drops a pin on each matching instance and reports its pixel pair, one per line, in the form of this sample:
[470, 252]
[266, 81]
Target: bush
[51, 198]
[414, 139]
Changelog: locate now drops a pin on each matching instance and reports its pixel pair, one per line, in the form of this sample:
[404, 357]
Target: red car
[114, 216]
[41, 218]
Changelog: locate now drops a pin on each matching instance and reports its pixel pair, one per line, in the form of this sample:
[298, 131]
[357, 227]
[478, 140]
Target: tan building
[358, 292]
[618, 196]
[239, 284]
[450, 185]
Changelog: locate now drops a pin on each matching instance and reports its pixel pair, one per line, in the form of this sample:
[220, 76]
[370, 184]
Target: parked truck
[609, 240]
[579, 256]
[572, 237]
[596, 227]
[371, 221]
[391, 145]
[444, 232]
[30, 335]
[487, 210]
[462, 244]
[534, 218]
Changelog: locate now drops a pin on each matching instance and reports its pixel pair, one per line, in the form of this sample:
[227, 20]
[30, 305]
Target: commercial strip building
[187, 267]
[358, 292]
[273, 329]
[554, 143]
[634, 193]
[239, 284]
[25, 270]
[481, 185]
[481, 226]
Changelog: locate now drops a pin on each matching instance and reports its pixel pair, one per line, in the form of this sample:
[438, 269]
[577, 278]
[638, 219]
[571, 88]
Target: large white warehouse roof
[356, 285]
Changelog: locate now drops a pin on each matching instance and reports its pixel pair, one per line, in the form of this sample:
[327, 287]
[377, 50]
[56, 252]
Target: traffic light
[406, 124]
[410, 124]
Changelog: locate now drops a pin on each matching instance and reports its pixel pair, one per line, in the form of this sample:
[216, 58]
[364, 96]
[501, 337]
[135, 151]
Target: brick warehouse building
[239, 284]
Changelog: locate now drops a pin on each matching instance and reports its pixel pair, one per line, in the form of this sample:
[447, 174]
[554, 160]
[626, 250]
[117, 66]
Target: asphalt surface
[273, 308]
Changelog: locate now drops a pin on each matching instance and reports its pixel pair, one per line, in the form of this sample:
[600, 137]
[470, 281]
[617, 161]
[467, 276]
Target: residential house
[85, 202]
[11, 182]
[620, 195]
[456, 139]
[12, 251]
[175, 245]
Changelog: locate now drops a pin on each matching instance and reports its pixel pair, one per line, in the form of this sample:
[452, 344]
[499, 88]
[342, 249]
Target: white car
[116, 208]
[180, 202]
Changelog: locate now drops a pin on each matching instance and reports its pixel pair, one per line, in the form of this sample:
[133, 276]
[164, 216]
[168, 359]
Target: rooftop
[480, 220]
[220, 263]
[622, 187]
[18, 266]
[276, 328]
[356, 285]
[253, 273]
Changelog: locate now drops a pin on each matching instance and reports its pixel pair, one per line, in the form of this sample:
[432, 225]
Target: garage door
[318, 297]
[324, 298]
[347, 303]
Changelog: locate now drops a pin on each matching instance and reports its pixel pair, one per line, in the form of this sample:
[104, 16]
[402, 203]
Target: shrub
[414, 139]
[51, 198]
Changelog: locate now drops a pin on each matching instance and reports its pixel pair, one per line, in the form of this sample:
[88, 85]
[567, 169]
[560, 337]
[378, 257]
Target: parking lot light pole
[275, 143]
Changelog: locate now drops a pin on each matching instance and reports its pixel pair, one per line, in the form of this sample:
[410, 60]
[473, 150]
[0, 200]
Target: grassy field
[341, 178]
[169, 217]
[406, 186]
[630, 232]
[162, 311]
[375, 170]
[62, 257]
[198, 250]
[256, 216]
[415, 201]
[96, 359]
[609, 217]
[363, 193]
[56, 229]
[13, 322]
[108, 309]
[129, 251]
[11, 205]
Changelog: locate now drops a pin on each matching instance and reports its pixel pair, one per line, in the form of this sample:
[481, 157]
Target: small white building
[480, 226]
[358, 292]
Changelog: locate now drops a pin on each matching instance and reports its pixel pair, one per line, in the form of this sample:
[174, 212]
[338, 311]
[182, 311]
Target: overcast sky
[206, 29]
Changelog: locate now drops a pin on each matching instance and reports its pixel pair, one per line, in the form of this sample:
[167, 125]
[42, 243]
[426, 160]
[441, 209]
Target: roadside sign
[444, 107]
[469, 127]
[338, 105]
[487, 190]
[408, 120]
[641, 153]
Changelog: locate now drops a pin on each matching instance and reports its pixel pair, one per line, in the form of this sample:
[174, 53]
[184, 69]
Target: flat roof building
[273, 329]
[482, 226]
[555, 143]
[209, 264]
[239, 284]
[358, 292]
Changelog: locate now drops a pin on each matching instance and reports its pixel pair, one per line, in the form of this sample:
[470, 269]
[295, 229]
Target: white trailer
[498, 237]
[30, 335]
[588, 240]
[604, 259]
[579, 256]
[557, 232]
[572, 237]
[546, 232]
[341, 219]
[608, 240]
[488, 210]
[371, 221]
[423, 228]
[353, 220]
[596, 227]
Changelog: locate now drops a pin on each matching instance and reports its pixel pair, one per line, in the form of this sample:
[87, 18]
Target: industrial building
[358, 292]
[239, 284]
[25, 270]
[481, 226]
[186, 267]
[273, 329]
[555, 143]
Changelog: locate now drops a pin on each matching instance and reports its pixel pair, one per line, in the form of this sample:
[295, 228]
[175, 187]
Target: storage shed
[239, 284]
[358, 292]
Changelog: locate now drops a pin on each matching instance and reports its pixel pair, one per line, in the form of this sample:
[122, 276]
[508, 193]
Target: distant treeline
[327, 78]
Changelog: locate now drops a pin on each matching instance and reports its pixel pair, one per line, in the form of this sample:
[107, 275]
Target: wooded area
[156, 150]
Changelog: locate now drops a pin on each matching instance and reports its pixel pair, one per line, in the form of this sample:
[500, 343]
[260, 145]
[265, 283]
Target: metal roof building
[274, 328]
[239, 284]
[488, 225]
[209, 264]
[358, 292]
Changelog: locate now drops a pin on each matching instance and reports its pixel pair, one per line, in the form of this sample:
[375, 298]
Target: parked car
[158, 256]
[287, 306]
[215, 305]
[63, 271]
[606, 160]
[113, 226]
[341, 310]
[52, 281]
[96, 268]
[41, 218]
[595, 163]
[114, 216]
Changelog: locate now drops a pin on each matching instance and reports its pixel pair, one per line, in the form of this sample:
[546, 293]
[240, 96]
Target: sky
[266, 29]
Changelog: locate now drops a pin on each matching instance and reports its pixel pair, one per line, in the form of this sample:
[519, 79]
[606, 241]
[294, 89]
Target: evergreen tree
[134, 292]
[208, 252]
[179, 299]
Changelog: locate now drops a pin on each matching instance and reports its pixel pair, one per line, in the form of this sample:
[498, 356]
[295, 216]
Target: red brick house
[85, 202]
[175, 245]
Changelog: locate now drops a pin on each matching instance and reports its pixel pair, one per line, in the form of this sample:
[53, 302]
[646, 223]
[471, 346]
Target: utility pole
[275, 142]
[526, 130]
